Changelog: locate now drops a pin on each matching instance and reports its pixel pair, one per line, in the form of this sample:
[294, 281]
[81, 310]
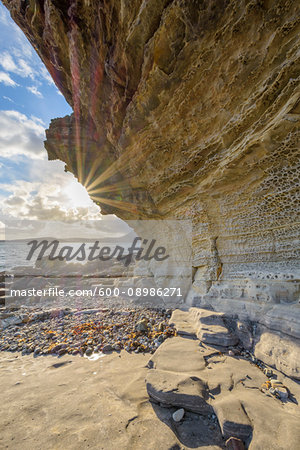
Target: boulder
[178, 390]
[232, 418]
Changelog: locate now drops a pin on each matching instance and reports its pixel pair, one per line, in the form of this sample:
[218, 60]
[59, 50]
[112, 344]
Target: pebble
[142, 325]
[268, 372]
[89, 351]
[161, 326]
[107, 348]
[282, 393]
[139, 330]
[178, 415]
[275, 383]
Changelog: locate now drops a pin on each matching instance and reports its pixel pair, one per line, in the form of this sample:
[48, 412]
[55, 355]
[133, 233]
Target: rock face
[187, 109]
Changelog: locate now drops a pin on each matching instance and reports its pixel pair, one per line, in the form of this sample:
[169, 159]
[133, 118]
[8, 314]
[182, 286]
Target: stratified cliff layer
[188, 109]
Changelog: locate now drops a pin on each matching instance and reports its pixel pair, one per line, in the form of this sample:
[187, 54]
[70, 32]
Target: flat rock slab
[182, 322]
[216, 335]
[232, 418]
[179, 355]
[204, 316]
[207, 325]
[178, 390]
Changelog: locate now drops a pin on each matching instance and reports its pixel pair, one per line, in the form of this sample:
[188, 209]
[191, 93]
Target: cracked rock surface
[218, 381]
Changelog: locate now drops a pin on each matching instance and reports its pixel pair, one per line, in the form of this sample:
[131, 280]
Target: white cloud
[34, 90]
[20, 62]
[8, 63]
[8, 98]
[17, 66]
[24, 69]
[17, 54]
[2, 231]
[3, 16]
[20, 135]
[38, 120]
[45, 74]
[54, 195]
[7, 80]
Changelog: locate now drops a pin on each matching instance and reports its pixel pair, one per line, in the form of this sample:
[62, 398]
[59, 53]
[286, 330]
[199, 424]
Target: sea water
[13, 255]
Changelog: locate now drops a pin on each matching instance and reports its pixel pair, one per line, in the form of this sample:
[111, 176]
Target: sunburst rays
[118, 204]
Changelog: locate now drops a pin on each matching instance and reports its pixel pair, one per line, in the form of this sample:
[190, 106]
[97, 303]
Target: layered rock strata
[188, 110]
[223, 384]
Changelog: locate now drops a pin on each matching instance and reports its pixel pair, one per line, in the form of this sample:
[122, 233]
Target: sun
[77, 194]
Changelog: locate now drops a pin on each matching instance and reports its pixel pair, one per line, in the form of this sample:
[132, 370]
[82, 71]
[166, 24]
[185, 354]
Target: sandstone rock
[232, 418]
[216, 335]
[280, 351]
[210, 327]
[181, 320]
[207, 325]
[206, 317]
[160, 71]
[225, 153]
[178, 390]
[189, 352]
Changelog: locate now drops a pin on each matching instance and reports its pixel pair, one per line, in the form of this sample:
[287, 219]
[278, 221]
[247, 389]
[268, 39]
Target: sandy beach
[127, 400]
[73, 403]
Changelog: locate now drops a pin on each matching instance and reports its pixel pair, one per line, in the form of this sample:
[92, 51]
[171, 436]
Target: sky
[31, 187]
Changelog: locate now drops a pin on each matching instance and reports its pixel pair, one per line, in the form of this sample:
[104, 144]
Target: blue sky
[25, 84]
[30, 186]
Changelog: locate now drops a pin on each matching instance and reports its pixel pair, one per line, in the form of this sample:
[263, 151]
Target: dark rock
[234, 444]
[89, 351]
[232, 418]
[107, 348]
[178, 390]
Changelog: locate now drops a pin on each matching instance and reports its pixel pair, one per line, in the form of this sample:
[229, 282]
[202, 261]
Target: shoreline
[194, 392]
